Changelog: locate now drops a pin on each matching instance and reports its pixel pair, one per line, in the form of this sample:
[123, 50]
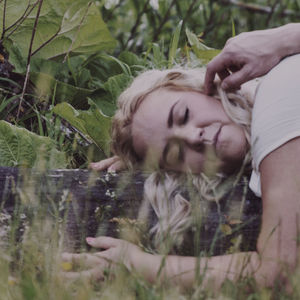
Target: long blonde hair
[161, 192]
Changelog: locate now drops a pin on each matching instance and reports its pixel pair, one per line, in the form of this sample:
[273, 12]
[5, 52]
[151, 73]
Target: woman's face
[187, 131]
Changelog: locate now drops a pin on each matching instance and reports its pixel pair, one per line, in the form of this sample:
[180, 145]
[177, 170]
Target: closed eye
[186, 115]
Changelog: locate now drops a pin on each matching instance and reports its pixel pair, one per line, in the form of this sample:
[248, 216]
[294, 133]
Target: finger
[218, 65]
[81, 259]
[235, 80]
[104, 164]
[116, 166]
[92, 274]
[103, 242]
[223, 74]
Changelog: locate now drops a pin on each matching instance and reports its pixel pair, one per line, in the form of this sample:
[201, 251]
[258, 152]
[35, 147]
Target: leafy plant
[92, 123]
[20, 147]
[63, 27]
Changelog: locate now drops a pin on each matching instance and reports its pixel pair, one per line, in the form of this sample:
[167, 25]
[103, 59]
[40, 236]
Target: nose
[194, 136]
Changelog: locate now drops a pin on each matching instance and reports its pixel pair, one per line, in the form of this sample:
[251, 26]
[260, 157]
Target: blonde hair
[161, 192]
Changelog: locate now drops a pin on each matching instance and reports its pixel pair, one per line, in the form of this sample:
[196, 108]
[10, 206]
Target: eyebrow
[170, 116]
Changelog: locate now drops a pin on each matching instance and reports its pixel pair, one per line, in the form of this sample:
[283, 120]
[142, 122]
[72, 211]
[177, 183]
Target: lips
[216, 141]
[216, 137]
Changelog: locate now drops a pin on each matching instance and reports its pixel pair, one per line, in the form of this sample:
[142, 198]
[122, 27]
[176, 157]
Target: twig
[276, 3]
[47, 42]
[113, 10]
[256, 8]
[3, 21]
[210, 21]
[163, 22]
[137, 23]
[188, 12]
[19, 22]
[29, 55]
[79, 27]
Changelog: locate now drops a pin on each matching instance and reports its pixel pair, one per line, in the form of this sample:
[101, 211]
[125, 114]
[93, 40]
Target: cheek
[206, 162]
[233, 144]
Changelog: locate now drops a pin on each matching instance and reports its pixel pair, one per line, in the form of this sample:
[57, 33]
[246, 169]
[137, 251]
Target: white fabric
[276, 113]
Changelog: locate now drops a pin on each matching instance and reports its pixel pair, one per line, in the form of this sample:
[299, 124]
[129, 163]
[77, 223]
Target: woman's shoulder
[275, 117]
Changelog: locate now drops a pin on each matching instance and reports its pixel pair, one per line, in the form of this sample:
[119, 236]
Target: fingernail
[224, 86]
[89, 240]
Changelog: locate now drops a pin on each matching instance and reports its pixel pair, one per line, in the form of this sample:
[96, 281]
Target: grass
[32, 237]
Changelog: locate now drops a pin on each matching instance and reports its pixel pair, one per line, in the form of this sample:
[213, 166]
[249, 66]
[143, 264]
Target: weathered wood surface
[90, 202]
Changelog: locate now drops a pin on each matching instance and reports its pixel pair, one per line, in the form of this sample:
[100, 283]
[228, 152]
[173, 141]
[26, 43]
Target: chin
[230, 167]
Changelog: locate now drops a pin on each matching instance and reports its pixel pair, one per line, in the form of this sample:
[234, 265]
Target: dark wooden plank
[92, 203]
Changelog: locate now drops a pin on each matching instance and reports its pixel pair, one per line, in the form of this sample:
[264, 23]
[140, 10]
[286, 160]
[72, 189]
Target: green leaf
[20, 147]
[233, 27]
[174, 44]
[130, 58]
[46, 84]
[92, 123]
[76, 26]
[106, 97]
[204, 53]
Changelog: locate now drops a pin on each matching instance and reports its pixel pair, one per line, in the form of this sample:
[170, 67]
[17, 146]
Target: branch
[47, 42]
[112, 11]
[79, 27]
[137, 23]
[273, 9]
[163, 22]
[20, 20]
[3, 23]
[188, 13]
[256, 8]
[29, 55]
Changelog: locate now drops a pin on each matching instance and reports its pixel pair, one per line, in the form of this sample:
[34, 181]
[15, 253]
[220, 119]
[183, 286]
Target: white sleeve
[276, 113]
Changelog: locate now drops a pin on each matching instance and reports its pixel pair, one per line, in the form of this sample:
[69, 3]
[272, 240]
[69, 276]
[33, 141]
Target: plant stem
[79, 27]
[257, 8]
[29, 56]
[137, 23]
[163, 22]
[112, 11]
[189, 12]
[19, 22]
[3, 23]
[47, 42]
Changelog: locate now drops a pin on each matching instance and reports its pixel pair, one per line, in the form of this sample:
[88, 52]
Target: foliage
[63, 27]
[79, 56]
[20, 147]
[66, 49]
[88, 122]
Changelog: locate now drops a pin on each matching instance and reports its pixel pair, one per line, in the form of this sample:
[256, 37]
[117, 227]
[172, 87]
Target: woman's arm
[111, 164]
[280, 180]
[252, 54]
[277, 244]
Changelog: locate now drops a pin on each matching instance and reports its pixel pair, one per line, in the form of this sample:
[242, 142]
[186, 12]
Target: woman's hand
[93, 266]
[112, 164]
[252, 54]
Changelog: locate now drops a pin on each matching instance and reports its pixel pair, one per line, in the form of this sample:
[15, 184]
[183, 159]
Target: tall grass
[33, 236]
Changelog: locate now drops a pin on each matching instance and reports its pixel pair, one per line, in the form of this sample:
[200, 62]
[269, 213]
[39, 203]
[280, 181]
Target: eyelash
[186, 116]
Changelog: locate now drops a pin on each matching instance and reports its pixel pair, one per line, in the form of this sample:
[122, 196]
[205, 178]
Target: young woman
[167, 120]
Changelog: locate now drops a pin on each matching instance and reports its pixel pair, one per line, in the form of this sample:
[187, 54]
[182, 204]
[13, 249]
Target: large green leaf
[76, 24]
[20, 147]
[106, 97]
[92, 123]
[204, 53]
[46, 85]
